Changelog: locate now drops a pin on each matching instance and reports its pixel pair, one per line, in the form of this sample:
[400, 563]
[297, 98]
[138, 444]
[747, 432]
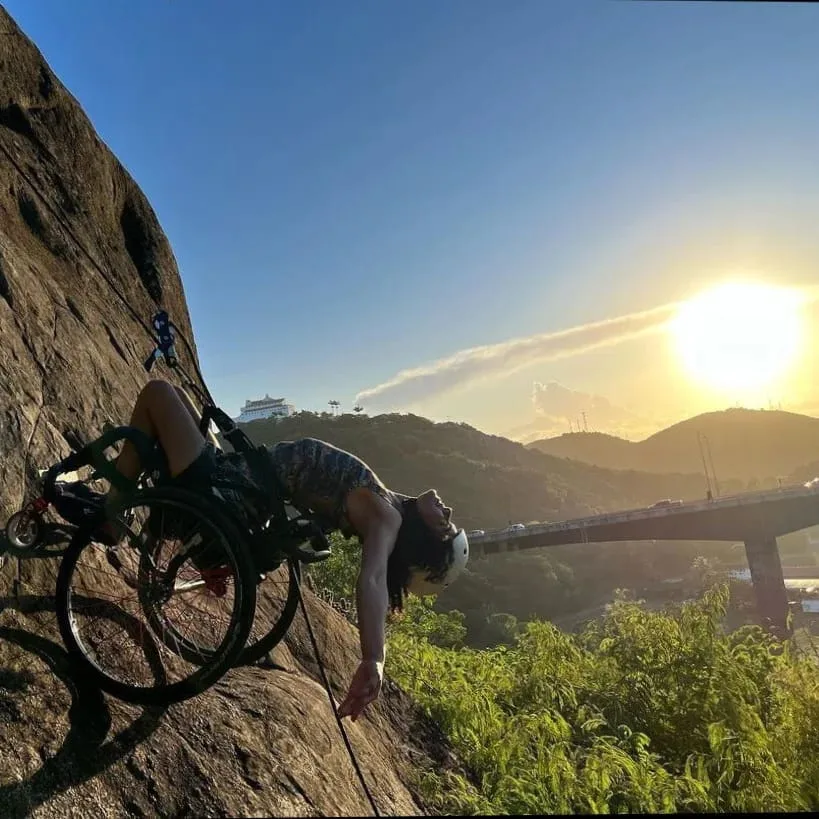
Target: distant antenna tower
[711, 461]
[585, 425]
[571, 428]
[704, 466]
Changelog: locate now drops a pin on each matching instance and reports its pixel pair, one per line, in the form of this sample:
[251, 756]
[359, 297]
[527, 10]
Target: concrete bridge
[788, 572]
[800, 572]
[756, 518]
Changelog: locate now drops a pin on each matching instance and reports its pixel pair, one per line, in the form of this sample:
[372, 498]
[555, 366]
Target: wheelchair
[189, 590]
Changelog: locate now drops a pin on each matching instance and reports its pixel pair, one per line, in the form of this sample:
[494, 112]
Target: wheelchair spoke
[188, 585]
[148, 611]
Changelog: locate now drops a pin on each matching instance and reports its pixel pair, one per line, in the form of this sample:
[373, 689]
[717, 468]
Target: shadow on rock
[84, 753]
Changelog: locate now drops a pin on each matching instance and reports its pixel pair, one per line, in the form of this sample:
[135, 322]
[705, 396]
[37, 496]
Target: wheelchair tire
[219, 660]
[254, 651]
[24, 531]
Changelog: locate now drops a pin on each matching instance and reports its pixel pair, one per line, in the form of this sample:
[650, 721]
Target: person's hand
[364, 689]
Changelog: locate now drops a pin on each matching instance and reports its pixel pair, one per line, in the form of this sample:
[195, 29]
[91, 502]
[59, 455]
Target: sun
[739, 338]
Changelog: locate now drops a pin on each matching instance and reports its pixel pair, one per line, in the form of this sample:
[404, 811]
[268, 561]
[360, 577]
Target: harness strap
[258, 460]
[264, 485]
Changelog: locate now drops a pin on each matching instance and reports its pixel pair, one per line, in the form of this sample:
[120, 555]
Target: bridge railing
[645, 513]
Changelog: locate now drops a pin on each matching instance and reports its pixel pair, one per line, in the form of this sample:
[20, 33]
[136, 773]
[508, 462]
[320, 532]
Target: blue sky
[356, 189]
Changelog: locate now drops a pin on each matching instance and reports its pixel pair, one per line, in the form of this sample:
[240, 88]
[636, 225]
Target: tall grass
[642, 712]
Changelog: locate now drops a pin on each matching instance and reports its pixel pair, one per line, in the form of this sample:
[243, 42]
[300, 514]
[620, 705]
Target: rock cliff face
[83, 261]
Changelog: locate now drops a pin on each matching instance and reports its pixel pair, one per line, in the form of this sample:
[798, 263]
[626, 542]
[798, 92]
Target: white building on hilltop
[266, 407]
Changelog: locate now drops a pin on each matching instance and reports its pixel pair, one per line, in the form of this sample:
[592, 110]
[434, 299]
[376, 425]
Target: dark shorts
[228, 476]
[197, 474]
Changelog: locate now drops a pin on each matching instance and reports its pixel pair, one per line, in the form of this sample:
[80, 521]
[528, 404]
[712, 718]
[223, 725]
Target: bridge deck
[736, 517]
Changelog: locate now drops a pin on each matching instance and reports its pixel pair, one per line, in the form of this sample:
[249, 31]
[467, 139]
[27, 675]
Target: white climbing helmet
[420, 581]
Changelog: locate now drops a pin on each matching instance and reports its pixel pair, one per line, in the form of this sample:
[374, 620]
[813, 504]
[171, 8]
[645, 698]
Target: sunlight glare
[739, 337]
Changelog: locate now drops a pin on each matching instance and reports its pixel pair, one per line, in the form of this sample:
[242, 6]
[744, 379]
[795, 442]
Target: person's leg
[196, 415]
[161, 414]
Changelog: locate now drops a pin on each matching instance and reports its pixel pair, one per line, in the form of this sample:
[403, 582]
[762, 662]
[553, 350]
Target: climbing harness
[163, 334]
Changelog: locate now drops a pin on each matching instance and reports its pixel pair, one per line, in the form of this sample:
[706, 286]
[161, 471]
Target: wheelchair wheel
[163, 615]
[277, 599]
[23, 531]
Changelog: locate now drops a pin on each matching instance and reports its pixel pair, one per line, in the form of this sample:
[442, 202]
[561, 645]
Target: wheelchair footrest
[76, 502]
[306, 555]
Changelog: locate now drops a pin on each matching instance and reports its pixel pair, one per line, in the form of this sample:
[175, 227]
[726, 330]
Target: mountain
[596, 448]
[261, 742]
[749, 445]
[487, 479]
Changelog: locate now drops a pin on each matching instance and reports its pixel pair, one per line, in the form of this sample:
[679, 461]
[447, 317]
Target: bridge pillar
[769, 583]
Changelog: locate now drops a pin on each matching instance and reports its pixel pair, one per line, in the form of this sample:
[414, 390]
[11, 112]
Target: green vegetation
[641, 712]
[685, 709]
[551, 583]
[334, 579]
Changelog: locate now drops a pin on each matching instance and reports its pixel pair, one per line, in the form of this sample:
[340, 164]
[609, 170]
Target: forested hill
[487, 479]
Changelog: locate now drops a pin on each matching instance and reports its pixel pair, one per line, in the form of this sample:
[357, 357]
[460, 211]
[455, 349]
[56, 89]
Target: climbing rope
[333, 702]
[204, 393]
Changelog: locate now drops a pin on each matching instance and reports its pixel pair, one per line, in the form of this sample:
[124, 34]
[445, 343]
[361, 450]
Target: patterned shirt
[318, 476]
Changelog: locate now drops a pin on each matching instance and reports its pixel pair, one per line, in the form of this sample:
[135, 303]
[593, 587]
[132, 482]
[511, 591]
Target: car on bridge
[665, 502]
[476, 532]
[515, 527]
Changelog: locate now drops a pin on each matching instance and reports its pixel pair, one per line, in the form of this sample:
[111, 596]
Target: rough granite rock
[261, 742]
[72, 341]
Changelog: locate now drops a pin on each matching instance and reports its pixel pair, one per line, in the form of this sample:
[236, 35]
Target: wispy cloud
[495, 360]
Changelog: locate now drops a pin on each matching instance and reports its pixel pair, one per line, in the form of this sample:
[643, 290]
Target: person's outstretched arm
[380, 523]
